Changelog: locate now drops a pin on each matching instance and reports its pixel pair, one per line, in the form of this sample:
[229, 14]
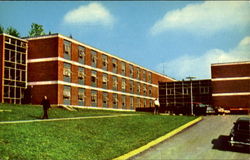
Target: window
[149, 77]
[114, 65]
[123, 85]
[150, 90]
[115, 83]
[81, 96]
[104, 80]
[131, 100]
[138, 102]
[115, 101]
[204, 90]
[138, 88]
[66, 94]
[131, 86]
[67, 72]
[145, 89]
[138, 73]
[151, 103]
[105, 99]
[186, 91]
[123, 101]
[144, 75]
[81, 53]
[123, 66]
[93, 58]
[93, 78]
[170, 91]
[131, 71]
[104, 62]
[94, 98]
[81, 75]
[67, 49]
[144, 103]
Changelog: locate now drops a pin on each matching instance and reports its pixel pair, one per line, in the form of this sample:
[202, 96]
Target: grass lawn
[97, 139]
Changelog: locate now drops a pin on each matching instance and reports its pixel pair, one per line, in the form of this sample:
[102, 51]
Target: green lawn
[105, 138]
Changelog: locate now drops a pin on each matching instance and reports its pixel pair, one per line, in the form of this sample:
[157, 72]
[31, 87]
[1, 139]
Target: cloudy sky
[178, 39]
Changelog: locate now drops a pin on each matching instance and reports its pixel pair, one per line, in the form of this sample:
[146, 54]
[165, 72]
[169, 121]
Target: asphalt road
[205, 140]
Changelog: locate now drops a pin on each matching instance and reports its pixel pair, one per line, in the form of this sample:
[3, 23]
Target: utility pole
[191, 92]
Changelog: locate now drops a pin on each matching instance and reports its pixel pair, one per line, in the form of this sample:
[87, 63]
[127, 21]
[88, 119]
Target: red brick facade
[47, 63]
[231, 85]
[1, 67]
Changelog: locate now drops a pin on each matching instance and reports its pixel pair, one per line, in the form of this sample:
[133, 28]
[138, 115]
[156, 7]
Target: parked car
[210, 110]
[240, 133]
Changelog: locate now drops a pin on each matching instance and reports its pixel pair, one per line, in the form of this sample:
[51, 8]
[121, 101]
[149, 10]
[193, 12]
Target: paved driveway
[205, 140]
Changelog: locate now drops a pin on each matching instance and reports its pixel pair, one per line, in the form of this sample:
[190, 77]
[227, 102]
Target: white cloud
[93, 13]
[206, 17]
[200, 66]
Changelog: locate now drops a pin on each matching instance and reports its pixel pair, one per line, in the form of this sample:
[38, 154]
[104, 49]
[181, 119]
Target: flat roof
[98, 50]
[230, 63]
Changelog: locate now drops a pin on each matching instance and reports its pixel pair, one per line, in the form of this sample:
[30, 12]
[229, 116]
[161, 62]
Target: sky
[175, 38]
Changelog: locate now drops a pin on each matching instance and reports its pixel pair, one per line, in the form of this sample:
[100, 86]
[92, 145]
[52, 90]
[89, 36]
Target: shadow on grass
[222, 143]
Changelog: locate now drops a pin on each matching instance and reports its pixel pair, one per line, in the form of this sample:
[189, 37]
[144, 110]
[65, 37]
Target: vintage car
[240, 133]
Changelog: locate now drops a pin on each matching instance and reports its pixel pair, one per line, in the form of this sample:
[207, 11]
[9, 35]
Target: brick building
[13, 68]
[72, 73]
[231, 85]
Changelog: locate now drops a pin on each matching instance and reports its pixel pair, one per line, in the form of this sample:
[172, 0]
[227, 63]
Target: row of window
[134, 87]
[15, 42]
[133, 72]
[133, 102]
[186, 91]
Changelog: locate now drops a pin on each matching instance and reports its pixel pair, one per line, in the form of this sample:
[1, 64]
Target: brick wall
[1, 67]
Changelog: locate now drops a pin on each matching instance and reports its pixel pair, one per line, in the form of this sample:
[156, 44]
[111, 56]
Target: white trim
[7, 35]
[230, 63]
[85, 87]
[231, 94]
[230, 78]
[86, 66]
[93, 48]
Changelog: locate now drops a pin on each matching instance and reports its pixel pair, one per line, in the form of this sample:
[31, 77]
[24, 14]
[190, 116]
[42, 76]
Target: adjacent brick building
[72, 73]
[13, 68]
[231, 85]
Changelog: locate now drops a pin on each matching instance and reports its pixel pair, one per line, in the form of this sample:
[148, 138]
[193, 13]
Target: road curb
[158, 140]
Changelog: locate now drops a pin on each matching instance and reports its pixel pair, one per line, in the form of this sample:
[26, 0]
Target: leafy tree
[12, 31]
[36, 30]
[1, 29]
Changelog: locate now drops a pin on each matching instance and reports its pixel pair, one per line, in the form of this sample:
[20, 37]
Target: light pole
[191, 92]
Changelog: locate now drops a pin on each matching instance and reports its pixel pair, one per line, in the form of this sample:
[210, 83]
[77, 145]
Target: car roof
[244, 119]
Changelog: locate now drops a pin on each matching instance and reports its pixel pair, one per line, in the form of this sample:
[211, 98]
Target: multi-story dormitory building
[72, 73]
[13, 68]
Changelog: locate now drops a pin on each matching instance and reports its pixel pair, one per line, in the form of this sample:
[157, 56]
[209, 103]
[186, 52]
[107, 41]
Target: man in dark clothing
[46, 105]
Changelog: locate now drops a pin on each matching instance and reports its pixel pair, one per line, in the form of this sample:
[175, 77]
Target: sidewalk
[64, 119]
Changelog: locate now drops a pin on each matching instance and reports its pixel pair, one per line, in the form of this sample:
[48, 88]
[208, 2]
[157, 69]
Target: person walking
[46, 105]
[157, 105]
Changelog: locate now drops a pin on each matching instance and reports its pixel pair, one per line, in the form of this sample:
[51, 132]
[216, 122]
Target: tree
[36, 30]
[1, 29]
[12, 31]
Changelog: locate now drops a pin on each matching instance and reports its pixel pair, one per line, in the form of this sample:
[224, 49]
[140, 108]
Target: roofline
[230, 63]
[21, 39]
[188, 80]
[98, 50]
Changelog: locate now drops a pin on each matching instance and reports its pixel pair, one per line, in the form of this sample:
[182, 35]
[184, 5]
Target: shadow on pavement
[221, 143]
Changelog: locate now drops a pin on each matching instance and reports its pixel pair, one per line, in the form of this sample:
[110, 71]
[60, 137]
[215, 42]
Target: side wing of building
[72, 73]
